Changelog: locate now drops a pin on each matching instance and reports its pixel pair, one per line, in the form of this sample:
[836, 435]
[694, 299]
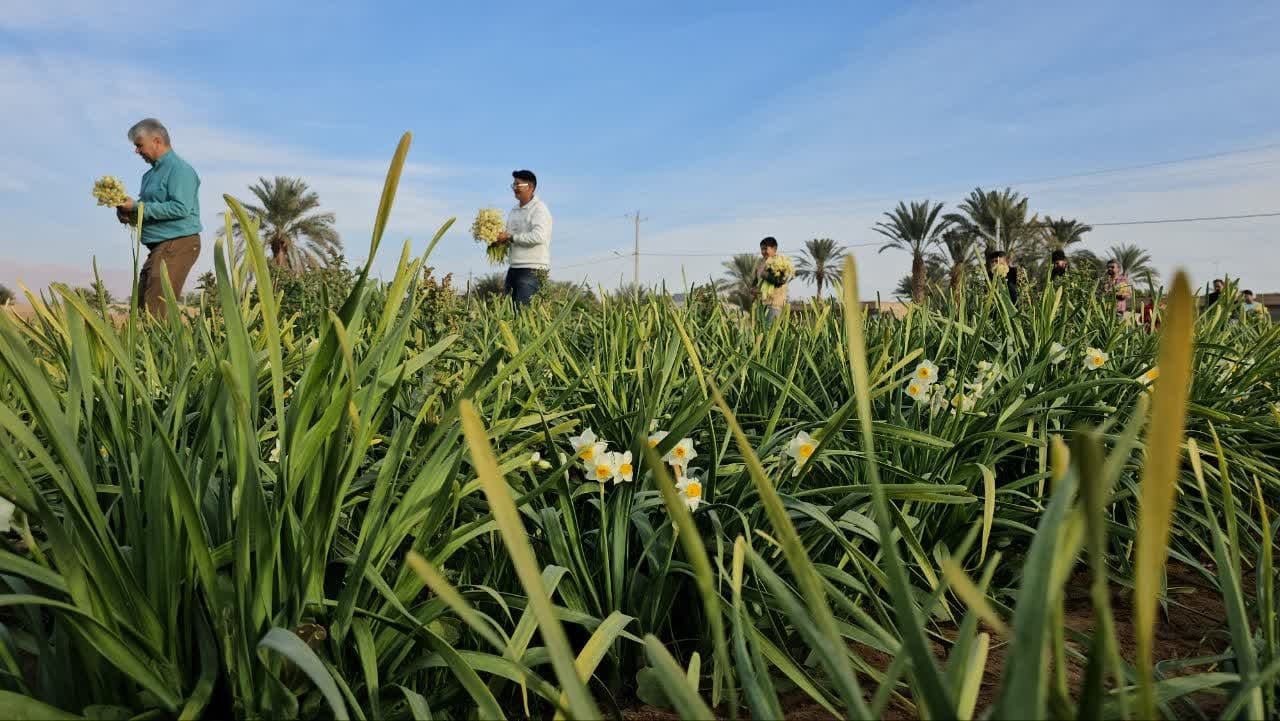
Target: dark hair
[769, 242]
[1248, 292]
[1114, 262]
[525, 175]
[1058, 254]
[995, 255]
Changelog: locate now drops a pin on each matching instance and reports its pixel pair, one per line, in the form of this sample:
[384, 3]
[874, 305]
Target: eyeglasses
[517, 186]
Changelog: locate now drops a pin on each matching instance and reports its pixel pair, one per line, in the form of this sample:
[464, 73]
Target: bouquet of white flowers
[488, 224]
[778, 271]
[109, 190]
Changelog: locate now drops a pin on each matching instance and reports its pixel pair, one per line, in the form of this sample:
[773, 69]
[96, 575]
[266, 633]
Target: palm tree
[486, 286]
[959, 252]
[96, 291]
[820, 262]
[1135, 262]
[913, 229]
[1087, 260]
[741, 279]
[299, 239]
[935, 273]
[1000, 218]
[1063, 232]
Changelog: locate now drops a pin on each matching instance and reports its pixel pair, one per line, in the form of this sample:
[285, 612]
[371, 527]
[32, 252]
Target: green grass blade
[931, 691]
[696, 552]
[288, 644]
[1159, 478]
[675, 682]
[21, 708]
[522, 558]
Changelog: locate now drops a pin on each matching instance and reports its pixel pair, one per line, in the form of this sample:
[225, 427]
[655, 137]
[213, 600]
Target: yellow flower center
[624, 469]
[806, 450]
[653, 442]
[603, 472]
[679, 452]
[1097, 360]
[693, 490]
[587, 453]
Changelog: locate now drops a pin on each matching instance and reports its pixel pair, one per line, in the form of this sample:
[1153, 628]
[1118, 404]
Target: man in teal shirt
[169, 200]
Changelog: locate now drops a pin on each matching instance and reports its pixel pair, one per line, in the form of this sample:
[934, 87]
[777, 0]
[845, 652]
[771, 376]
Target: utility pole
[635, 255]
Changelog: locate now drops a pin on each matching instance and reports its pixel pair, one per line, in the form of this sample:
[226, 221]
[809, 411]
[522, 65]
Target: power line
[722, 255]
[1188, 220]
[839, 205]
[1152, 221]
[593, 261]
[1142, 166]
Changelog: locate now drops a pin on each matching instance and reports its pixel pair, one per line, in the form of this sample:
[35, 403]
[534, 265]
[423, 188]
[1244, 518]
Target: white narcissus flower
[624, 471]
[963, 403]
[535, 460]
[690, 492]
[801, 448]
[275, 453]
[582, 443]
[656, 437]
[1057, 353]
[1094, 359]
[938, 403]
[681, 454]
[1150, 376]
[993, 372]
[6, 515]
[110, 191]
[918, 390]
[592, 453]
[926, 373]
[603, 468]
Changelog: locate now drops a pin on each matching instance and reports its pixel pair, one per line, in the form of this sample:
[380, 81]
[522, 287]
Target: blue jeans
[522, 284]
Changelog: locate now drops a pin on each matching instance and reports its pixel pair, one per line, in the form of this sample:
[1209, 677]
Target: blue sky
[720, 122]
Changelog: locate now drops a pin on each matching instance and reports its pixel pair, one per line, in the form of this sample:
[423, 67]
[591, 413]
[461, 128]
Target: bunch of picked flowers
[485, 229]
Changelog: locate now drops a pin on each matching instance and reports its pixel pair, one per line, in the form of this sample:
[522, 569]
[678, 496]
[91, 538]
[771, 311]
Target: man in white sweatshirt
[529, 233]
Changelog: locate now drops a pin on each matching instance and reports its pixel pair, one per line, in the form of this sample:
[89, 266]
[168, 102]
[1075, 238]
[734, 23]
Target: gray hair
[148, 128]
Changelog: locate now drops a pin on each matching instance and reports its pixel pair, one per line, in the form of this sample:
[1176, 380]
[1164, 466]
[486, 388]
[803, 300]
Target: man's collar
[163, 158]
[532, 200]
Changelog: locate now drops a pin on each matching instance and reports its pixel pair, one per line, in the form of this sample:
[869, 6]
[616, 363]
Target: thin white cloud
[81, 134]
[931, 104]
[111, 17]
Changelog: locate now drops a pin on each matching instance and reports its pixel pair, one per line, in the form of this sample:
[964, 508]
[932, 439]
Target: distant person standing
[1116, 287]
[1060, 264]
[529, 233]
[1213, 297]
[776, 299]
[169, 200]
[1250, 304]
[998, 269]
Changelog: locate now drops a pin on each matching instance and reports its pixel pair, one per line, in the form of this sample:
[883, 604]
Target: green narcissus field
[405, 508]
